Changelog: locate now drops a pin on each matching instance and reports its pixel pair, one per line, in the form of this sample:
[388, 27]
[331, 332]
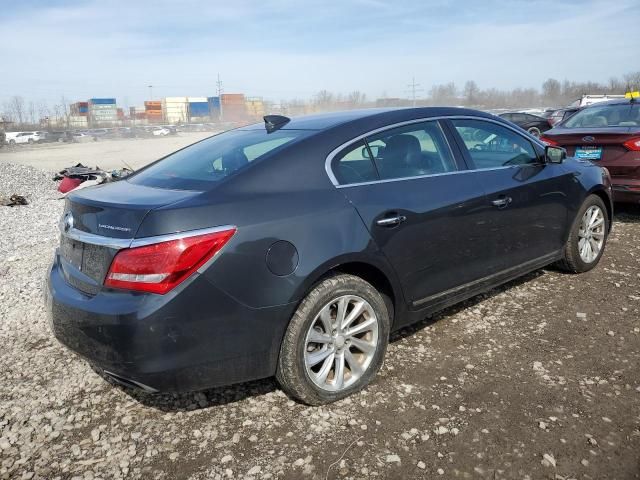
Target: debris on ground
[13, 200]
[80, 176]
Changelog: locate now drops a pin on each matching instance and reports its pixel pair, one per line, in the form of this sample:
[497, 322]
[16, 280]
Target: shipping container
[196, 99]
[102, 107]
[153, 105]
[232, 98]
[175, 100]
[102, 101]
[198, 109]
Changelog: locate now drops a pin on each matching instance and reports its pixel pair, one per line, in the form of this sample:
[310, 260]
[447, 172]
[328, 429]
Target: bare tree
[632, 80]
[16, 107]
[552, 90]
[470, 92]
[356, 99]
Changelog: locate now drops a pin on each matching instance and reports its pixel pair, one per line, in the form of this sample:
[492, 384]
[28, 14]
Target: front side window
[621, 115]
[491, 145]
[201, 165]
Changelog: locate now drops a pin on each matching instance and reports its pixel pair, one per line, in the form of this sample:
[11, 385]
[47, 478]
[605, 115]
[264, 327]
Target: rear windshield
[621, 115]
[199, 166]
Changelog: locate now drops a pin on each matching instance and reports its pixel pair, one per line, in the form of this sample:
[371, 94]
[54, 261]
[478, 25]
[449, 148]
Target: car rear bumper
[189, 340]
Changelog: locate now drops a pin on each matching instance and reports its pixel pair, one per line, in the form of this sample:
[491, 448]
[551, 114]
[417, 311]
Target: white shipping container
[197, 99]
[175, 100]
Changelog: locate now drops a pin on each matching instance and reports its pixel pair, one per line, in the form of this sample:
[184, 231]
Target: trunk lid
[117, 209]
[114, 211]
[614, 154]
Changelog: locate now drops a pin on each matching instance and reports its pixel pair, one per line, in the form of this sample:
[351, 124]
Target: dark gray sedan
[294, 247]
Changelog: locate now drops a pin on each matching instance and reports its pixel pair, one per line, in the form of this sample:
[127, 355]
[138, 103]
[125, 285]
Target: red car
[608, 134]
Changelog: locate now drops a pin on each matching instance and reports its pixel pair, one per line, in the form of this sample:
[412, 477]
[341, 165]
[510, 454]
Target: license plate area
[72, 251]
[589, 152]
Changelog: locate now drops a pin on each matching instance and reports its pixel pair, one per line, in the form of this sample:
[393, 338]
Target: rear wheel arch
[376, 275]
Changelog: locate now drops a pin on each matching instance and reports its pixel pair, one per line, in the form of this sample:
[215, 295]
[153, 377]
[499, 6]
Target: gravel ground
[536, 379]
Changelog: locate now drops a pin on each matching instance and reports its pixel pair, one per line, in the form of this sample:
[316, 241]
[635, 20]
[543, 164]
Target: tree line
[552, 93]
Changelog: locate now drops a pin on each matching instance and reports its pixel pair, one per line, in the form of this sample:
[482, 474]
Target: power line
[219, 90]
[413, 90]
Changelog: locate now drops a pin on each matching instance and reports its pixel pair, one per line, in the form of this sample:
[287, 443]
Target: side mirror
[375, 150]
[554, 154]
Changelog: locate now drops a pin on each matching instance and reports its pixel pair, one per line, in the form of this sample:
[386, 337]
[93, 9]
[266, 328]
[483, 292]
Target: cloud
[284, 49]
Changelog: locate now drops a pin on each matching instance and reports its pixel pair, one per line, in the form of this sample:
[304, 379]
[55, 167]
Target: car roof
[617, 101]
[325, 121]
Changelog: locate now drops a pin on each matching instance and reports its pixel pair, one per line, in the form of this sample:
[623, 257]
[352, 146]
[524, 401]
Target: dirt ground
[537, 379]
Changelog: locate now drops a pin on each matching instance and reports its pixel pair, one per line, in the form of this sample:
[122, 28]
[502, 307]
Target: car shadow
[189, 401]
[469, 303]
[626, 213]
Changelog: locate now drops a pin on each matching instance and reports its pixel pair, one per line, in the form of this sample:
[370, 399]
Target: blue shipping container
[199, 109]
[214, 102]
[83, 109]
[102, 101]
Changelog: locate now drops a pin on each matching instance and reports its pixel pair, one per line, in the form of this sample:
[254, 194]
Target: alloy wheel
[591, 234]
[341, 343]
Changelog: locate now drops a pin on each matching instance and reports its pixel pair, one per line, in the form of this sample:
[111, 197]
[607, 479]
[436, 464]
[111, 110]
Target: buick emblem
[68, 221]
[588, 138]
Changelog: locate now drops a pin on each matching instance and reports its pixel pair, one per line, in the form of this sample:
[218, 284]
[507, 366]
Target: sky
[285, 49]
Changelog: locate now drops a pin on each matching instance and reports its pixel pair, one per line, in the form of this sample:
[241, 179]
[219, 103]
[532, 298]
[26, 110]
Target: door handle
[391, 221]
[502, 202]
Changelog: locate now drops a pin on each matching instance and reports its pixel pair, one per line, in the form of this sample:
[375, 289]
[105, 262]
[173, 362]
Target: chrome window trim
[335, 151]
[416, 177]
[120, 243]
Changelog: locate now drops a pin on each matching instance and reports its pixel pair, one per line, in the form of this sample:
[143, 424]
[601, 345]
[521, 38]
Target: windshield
[202, 164]
[620, 115]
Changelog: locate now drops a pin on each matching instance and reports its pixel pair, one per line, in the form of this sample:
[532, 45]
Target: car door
[423, 208]
[529, 198]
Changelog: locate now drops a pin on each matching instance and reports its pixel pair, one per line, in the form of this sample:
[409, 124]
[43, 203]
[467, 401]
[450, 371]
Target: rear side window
[491, 145]
[413, 150]
[200, 166]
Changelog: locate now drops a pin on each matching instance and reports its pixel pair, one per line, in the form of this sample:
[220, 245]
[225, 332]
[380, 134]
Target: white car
[17, 138]
[160, 131]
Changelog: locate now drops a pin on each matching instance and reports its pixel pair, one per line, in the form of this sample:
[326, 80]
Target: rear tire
[324, 359]
[591, 226]
[535, 131]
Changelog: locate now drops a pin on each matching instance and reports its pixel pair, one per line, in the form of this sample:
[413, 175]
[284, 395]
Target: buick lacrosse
[294, 247]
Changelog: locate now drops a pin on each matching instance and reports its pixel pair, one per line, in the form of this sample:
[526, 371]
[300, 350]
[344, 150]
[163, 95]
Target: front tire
[335, 342]
[587, 238]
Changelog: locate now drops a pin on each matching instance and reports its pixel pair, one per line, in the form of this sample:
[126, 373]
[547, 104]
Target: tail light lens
[633, 144]
[160, 267]
[548, 141]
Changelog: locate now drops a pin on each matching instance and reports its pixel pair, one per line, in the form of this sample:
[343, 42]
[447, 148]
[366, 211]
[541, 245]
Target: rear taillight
[159, 267]
[633, 144]
[548, 141]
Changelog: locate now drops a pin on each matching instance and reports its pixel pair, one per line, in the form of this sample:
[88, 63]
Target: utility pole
[413, 90]
[150, 92]
[219, 91]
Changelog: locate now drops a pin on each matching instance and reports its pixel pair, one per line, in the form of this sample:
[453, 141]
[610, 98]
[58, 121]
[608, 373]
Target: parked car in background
[97, 133]
[56, 136]
[159, 131]
[607, 134]
[533, 124]
[586, 100]
[22, 138]
[296, 246]
[558, 115]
